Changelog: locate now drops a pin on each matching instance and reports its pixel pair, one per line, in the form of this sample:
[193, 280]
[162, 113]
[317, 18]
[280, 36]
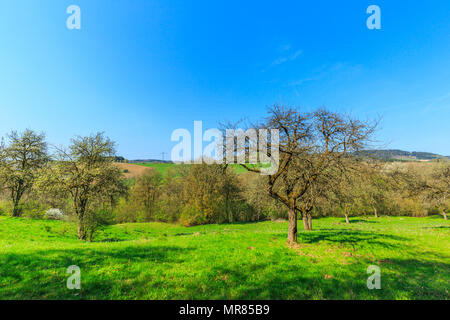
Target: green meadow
[231, 261]
[162, 167]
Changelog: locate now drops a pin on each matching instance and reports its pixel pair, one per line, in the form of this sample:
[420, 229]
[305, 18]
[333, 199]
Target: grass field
[162, 167]
[234, 261]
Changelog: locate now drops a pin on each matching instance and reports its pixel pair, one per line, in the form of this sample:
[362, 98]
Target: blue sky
[140, 69]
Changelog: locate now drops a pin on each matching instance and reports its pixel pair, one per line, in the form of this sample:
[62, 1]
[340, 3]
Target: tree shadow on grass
[109, 273]
[110, 240]
[361, 221]
[400, 279]
[346, 236]
[42, 274]
[436, 217]
[415, 279]
[350, 237]
[440, 227]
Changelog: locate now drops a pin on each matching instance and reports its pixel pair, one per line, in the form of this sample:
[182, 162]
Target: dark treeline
[319, 175]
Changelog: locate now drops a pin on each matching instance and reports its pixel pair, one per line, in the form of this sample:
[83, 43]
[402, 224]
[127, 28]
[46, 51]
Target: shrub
[54, 214]
[5, 208]
[191, 216]
[33, 209]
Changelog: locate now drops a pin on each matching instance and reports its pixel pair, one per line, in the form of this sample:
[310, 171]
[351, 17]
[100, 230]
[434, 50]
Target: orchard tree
[86, 174]
[20, 159]
[310, 144]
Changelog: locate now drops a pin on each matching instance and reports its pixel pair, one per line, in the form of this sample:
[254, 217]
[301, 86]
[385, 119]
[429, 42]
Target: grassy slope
[162, 167]
[239, 261]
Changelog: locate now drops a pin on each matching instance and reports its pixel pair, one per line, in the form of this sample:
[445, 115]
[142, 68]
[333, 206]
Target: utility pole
[162, 154]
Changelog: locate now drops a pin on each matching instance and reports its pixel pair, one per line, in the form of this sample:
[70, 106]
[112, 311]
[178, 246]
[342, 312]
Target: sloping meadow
[231, 261]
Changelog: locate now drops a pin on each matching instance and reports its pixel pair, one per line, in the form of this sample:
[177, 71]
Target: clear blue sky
[140, 69]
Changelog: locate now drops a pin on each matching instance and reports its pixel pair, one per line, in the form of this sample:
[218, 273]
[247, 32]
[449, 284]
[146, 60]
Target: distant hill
[393, 154]
[387, 155]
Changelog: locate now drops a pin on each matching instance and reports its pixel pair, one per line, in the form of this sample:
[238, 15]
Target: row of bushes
[197, 194]
[203, 194]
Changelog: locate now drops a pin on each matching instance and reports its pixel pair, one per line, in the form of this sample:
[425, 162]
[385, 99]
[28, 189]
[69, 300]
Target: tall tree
[87, 175]
[20, 158]
[310, 144]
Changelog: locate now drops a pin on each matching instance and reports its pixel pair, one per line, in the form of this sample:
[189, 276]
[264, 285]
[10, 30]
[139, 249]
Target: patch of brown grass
[132, 170]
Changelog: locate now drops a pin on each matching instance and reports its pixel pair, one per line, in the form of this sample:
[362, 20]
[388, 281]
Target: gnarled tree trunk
[292, 231]
[309, 222]
[306, 218]
[444, 214]
[16, 209]
[82, 235]
[80, 207]
[305, 222]
[16, 199]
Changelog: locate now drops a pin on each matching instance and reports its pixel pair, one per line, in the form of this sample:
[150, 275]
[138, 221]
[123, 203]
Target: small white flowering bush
[54, 214]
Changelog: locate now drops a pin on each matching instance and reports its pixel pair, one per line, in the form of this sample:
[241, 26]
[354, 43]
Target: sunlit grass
[234, 261]
[163, 167]
[160, 167]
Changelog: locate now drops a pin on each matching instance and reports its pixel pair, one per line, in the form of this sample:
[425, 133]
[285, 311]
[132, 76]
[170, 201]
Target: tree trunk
[292, 232]
[306, 218]
[375, 211]
[82, 234]
[309, 222]
[16, 201]
[305, 222]
[346, 219]
[444, 214]
[16, 210]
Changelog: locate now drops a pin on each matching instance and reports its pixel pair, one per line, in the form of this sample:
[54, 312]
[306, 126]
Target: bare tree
[20, 159]
[310, 144]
